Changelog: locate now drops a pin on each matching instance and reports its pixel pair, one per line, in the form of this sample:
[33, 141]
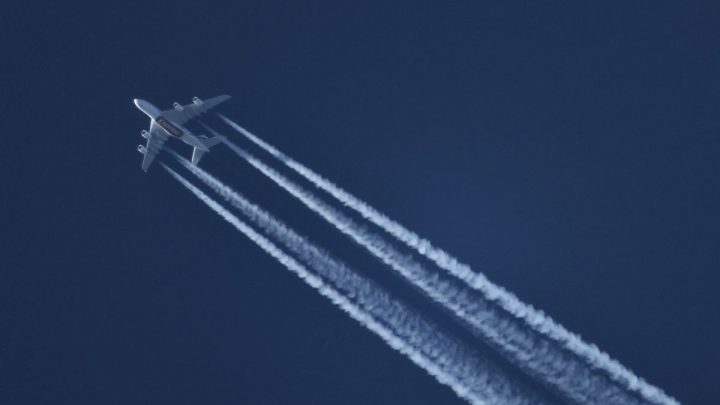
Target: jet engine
[177, 106]
[145, 134]
[197, 101]
[141, 149]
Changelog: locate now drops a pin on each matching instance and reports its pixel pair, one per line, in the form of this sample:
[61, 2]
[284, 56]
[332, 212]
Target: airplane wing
[154, 145]
[193, 110]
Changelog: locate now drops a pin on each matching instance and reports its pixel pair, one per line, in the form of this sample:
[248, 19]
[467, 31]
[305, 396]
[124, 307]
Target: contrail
[447, 361]
[536, 319]
[540, 358]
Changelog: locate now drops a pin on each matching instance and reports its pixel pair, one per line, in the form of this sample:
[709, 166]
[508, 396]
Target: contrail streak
[449, 362]
[535, 318]
[536, 356]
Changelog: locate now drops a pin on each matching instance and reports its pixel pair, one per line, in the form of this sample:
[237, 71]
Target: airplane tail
[209, 143]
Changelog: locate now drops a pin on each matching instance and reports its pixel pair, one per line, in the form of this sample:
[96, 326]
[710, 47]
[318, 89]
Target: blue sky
[567, 151]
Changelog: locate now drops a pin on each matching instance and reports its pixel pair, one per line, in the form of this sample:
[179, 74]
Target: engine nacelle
[145, 134]
[177, 106]
[141, 149]
[197, 101]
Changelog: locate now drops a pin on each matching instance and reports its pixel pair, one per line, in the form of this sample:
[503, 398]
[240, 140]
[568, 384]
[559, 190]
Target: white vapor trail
[600, 364]
[535, 355]
[536, 319]
[442, 357]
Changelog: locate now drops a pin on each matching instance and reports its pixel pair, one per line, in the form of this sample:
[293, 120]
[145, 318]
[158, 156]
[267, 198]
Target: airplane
[169, 124]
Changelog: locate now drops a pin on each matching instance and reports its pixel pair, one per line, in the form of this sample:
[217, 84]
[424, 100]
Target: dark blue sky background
[567, 150]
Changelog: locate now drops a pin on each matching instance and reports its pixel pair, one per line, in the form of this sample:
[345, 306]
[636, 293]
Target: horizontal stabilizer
[209, 143]
[197, 154]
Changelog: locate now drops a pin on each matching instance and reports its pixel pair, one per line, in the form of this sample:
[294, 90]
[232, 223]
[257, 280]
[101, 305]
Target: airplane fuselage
[169, 127]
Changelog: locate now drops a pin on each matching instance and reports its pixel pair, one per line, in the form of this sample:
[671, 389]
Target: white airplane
[170, 123]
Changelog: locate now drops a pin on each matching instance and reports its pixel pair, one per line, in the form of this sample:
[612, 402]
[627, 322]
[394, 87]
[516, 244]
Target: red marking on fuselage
[169, 127]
